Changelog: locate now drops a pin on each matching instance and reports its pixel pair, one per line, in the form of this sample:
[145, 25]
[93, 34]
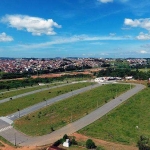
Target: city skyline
[93, 28]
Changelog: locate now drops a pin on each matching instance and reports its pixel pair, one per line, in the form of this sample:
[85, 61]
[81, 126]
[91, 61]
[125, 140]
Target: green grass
[59, 114]
[15, 92]
[120, 124]
[143, 69]
[26, 101]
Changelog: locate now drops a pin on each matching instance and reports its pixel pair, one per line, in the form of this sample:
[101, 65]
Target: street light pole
[18, 112]
[15, 139]
[45, 101]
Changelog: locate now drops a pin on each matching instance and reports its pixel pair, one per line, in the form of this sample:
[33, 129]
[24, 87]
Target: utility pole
[18, 112]
[46, 102]
[15, 140]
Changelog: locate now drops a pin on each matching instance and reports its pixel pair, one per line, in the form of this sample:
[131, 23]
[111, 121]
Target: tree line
[123, 73]
[30, 81]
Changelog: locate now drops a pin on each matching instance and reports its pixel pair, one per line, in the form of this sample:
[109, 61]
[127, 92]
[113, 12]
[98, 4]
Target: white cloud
[112, 34]
[35, 25]
[142, 23]
[5, 38]
[105, 1]
[132, 23]
[143, 52]
[143, 36]
[73, 39]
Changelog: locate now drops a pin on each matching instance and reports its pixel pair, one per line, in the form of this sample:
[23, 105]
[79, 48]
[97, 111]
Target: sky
[75, 28]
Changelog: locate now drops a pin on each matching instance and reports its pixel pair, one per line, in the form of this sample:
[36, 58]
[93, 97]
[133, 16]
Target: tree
[65, 137]
[90, 144]
[143, 143]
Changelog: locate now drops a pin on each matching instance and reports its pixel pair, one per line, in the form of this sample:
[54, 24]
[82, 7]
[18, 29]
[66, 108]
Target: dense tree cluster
[30, 81]
[124, 72]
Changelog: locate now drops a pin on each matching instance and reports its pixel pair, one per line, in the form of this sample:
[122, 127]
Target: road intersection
[16, 137]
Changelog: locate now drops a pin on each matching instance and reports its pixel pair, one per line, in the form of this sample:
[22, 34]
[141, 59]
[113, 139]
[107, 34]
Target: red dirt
[105, 144]
[79, 137]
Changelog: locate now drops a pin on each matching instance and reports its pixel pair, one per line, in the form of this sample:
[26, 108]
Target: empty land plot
[14, 92]
[124, 124]
[19, 91]
[61, 113]
[26, 101]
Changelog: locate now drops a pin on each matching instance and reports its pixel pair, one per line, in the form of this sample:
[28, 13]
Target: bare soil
[107, 145]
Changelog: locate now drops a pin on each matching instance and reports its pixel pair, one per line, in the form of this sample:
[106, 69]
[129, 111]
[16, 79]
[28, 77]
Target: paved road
[11, 134]
[14, 136]
[32, 92]
[38, 106]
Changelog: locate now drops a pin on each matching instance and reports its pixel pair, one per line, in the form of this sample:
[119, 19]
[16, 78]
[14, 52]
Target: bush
[143, 143]
[65, 137]
[74, 142]
[57, 143]
[90, 144]
[52, 129]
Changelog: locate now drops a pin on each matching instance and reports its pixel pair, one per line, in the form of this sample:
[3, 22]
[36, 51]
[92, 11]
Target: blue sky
[74, 28]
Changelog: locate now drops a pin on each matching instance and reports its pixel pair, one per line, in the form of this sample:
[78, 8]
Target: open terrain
[96, 102]
[29, 100]
[61, 113]
[124, 124]
[81, 139]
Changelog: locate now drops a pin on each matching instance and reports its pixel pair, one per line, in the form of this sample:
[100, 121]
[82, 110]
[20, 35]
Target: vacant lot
[61, 113]
[15, 92]
[26, 101]
[126, 123]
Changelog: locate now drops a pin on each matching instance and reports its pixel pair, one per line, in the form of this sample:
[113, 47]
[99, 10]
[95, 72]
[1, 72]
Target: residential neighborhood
[20, 65]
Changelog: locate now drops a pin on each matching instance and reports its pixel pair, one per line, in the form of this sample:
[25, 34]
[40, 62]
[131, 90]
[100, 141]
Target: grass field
[126, 123]
[26, 101]
[13, 92]
[66, 111]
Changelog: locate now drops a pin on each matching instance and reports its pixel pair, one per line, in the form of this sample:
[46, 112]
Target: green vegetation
[119, 72]
[143, 143]
[66, 111]
[15, 92]
[90, 144]
[82, 145]
[29, 100]
[126, 123]
[9, 84]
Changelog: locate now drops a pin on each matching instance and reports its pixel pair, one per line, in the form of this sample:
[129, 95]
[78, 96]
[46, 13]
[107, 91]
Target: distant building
[129, 77]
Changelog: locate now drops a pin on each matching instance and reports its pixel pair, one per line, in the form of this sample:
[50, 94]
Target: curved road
[18, 138]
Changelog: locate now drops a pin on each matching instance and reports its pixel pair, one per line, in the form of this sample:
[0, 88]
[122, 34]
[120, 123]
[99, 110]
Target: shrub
[143, 143]
[52, 129]
[90, 144]
[74, 142]
[57, 143]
